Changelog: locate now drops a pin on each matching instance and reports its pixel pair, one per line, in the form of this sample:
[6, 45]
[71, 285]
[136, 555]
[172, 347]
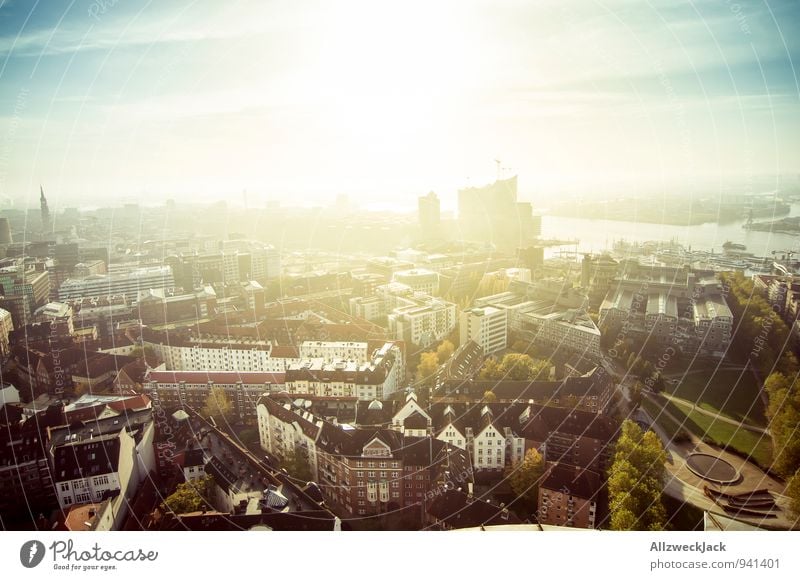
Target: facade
[419, 280]
[487, 326]
[24, 289]
[683, 307]
[362, 472]
[568, 496]
[377, 379]
[548, 312]
[493, 214]
[426, 321]
[101, 459]
[429, 216]
[179, 389]
[126, 283]
[6, 326]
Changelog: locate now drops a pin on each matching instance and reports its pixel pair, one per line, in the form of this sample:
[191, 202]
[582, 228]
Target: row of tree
[783, 412]
[430, 361]
[515, 367]
[636, 480]
[760, 334]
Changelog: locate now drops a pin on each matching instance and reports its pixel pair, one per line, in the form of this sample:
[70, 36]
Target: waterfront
[597, 235]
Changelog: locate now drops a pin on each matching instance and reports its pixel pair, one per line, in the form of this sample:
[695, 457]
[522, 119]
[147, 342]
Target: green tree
[445, 351]
[635, 480]
[793, 493]
[218, 405]
[489, 397]
[515, 367]
[427, 367]
[298, 466]
[783, 412]
[190, 496]
[525, 477]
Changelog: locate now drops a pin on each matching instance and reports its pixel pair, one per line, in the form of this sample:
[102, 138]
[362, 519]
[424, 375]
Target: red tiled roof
[137, 402]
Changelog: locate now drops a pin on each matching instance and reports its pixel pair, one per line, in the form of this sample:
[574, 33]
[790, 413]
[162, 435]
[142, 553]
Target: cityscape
[191, 339]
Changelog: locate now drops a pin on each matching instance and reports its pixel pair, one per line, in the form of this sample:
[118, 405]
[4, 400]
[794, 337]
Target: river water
[598, 235]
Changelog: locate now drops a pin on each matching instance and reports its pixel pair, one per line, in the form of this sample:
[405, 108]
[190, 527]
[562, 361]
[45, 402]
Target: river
[598, 235]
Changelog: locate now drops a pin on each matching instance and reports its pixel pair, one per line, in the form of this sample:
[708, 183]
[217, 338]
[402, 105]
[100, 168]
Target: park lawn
[755, 445]
[664, 421]
[732, 393]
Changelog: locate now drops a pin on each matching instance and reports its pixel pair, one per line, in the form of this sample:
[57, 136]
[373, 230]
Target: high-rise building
[429, 216]
[493, 214]
[45, 211]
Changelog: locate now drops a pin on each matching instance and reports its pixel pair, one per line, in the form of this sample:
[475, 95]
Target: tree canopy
[783, 413]
[445, 351]
[635, 480]
[427, 367]
[525, 477]
[191, 496]
[218, 405]
[515, 367]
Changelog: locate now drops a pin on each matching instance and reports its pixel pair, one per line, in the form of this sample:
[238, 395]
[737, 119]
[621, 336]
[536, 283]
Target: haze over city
[300, 102]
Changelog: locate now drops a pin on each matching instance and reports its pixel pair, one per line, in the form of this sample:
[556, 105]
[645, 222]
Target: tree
[515, 367]
[635, 480]
[793, 493]
[297, 465]
[190, 496]
[218, 405]
[783, 412]
[489, 397]
[427, 367]
[525, 478]
[445, 351]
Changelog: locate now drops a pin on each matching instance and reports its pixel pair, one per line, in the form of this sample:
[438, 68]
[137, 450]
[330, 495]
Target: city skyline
[199, 101]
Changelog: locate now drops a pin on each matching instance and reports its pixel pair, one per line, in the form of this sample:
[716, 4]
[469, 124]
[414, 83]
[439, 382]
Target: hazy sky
[386, 100]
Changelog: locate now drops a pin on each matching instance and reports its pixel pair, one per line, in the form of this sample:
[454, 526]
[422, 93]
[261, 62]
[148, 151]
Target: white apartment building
[351, 351]
[126, 283]
[419, 280]
[486, 326]
[424, 322]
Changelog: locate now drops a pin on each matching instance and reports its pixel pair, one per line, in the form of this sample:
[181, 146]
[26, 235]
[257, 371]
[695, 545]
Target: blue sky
[385, 101]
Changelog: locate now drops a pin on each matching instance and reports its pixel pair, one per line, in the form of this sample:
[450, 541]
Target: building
[362, 471]
[681, 306]
[127, 283]
[487, 326]
[493, 214]
[419, 280]
[569, 496]
[160, 306]
[172, 390]
[429, 216]
[25, 288]
[422, 320]
[6, 327]
[549, 313]
[26, 481]
[58, 314]
[378, 378]
[102, 459]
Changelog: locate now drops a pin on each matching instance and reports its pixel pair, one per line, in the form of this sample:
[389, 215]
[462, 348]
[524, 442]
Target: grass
[731, 393]
[754, 445]
[664, 421]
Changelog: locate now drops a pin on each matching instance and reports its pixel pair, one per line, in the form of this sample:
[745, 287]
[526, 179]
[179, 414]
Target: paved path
[716, 416]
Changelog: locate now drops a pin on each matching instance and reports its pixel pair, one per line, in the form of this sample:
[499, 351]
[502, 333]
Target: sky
[384, 101]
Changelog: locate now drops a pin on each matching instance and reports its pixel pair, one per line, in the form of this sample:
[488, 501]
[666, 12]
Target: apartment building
[487, 327]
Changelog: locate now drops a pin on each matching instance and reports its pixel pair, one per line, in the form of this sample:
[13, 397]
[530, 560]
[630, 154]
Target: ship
[736, 247]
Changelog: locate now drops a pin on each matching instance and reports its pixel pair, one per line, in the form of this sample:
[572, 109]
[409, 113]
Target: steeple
[45, 211]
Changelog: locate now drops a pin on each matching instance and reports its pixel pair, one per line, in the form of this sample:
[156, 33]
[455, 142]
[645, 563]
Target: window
[65, 486]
